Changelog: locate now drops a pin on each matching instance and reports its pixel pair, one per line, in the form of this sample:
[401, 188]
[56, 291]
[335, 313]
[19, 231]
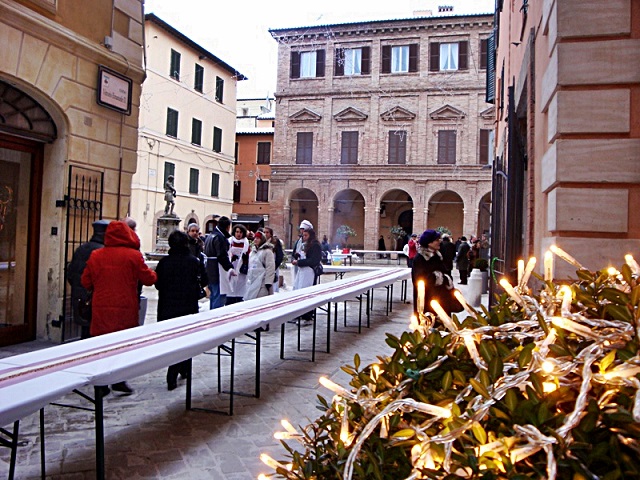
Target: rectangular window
[169, 169]
[398, 147]
[307, 64]
[235, 153]
[485, 146]
[219, 89]
[217, 139]
[264, 153]
[198, 78]
[236, 191]
[484, 49]
[215, 185]
[196, 131]
[446, 147]
[352, 61]
[174, 70]
[304, 148]
[194, 177]
[262, 191]
[400, 59]
[349, 149]
[172, 122]
[446, 57]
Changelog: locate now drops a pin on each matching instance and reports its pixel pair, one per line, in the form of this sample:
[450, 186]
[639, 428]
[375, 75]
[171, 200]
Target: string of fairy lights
[545, 319]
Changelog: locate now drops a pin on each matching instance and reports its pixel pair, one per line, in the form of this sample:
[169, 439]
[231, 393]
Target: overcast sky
[238, 31]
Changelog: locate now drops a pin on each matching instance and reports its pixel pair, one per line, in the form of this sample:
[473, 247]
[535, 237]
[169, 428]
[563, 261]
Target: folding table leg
[11, 442]
[329, 327]
[42, 452]
[99, 415]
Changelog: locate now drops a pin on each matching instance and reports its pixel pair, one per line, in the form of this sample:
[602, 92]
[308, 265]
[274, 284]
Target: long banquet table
[30, 381]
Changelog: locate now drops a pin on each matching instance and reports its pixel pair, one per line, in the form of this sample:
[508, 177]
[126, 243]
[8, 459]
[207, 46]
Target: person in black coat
[216, 248]
[180, 277]
[462, 260]
[429, 267]
[74, 273]
[448, 251]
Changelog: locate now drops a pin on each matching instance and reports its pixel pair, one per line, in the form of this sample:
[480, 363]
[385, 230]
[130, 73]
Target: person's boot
[122, 387]
[172, 377]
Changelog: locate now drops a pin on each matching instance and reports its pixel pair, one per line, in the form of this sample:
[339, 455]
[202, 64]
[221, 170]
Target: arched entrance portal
[396, 208]
[348, 209]
[446, 209]
[303, 206]
[24, 127]
[484, 215]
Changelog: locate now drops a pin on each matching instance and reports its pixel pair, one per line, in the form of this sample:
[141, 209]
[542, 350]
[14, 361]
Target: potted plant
[344, 232]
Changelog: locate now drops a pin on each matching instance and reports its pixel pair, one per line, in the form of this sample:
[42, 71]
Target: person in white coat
[262, 267]
[239, 256]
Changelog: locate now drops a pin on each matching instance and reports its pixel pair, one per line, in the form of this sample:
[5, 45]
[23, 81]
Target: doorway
[20, 185]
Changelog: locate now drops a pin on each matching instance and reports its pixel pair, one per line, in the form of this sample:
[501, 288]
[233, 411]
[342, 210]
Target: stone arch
[348, 209]
[303, 205]
[484, 215]
[446, 209]
[396, 208]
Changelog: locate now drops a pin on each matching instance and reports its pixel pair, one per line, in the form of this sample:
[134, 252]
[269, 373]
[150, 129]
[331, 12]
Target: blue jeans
[215, 299]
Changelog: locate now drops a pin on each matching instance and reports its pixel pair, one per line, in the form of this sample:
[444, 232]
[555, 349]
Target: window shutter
[338, 68]
[447, 147]
[304, 148]
[262, 191]
[264, 153]
[172, 122]
[484, 147]
[169, 169]
[349, 148]
[365, 66]
[194, 177]
[196, 131]
[199, 78]
[386, 59]
[175, 65]
[219, 89]
[295, 65]
[319, 63]
[434, 57]
[490, 93]
[413, 57]
[217, 139]
[215, 185]
[463, 57]
[398, 147]
[483, 53]
[236, 191]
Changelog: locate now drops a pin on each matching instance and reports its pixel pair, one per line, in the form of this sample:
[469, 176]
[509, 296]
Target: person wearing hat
[429, 267]
[74, 272]
[262, 268]
[462, 260]
[298, 246]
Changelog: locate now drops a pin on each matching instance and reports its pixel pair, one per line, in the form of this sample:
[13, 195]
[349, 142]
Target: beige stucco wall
[160, 92]
[59, 68]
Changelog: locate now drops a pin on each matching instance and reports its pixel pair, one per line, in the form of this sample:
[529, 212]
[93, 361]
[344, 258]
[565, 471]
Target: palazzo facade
[383, 124]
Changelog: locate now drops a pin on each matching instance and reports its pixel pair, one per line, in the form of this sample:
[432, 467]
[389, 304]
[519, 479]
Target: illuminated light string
[605, 335]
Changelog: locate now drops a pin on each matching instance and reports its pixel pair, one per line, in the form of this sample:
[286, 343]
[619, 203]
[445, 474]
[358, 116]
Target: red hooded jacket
[113, 273]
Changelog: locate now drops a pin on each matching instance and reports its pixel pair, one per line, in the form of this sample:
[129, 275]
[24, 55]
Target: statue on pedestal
[169, 196]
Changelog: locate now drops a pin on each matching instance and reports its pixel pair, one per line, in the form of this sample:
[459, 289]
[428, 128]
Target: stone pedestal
[474, 290]
[166, 225]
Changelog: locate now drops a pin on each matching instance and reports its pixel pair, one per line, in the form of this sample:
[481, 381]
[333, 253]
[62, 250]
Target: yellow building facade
[70, 75]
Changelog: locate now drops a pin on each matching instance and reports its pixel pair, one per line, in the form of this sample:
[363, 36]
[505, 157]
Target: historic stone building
[567, 133]
[383, 123]
[187, 129]
[70, 75]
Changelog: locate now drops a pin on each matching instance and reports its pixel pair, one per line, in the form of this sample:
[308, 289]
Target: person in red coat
[113, 273]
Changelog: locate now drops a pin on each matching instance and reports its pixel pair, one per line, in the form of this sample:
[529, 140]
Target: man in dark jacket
[448, 252]
[74, 273]
[462, 260]
[219, 266]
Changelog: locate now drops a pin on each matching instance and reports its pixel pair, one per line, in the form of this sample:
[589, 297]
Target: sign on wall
[114, 90]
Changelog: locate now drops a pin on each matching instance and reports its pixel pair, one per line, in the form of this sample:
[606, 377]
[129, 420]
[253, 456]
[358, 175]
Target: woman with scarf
[239, 255]
[262, 268]
[429, 267]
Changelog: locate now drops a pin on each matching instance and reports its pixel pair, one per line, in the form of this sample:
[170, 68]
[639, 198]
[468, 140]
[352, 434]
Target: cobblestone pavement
[150, 435]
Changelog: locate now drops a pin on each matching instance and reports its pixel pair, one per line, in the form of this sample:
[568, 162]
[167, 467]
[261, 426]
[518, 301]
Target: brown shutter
[484, 44]
[434, 57]
[447, 147]
[295, 65]
[413, 57]
[386, 59]
[319, 63]
[338, 64]
[484, 147]
[463, 57]
[365, 67]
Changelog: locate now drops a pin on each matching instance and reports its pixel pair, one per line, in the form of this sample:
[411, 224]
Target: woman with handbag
[429, 267]
[262, 268]
[180, 279]
[239, 255]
